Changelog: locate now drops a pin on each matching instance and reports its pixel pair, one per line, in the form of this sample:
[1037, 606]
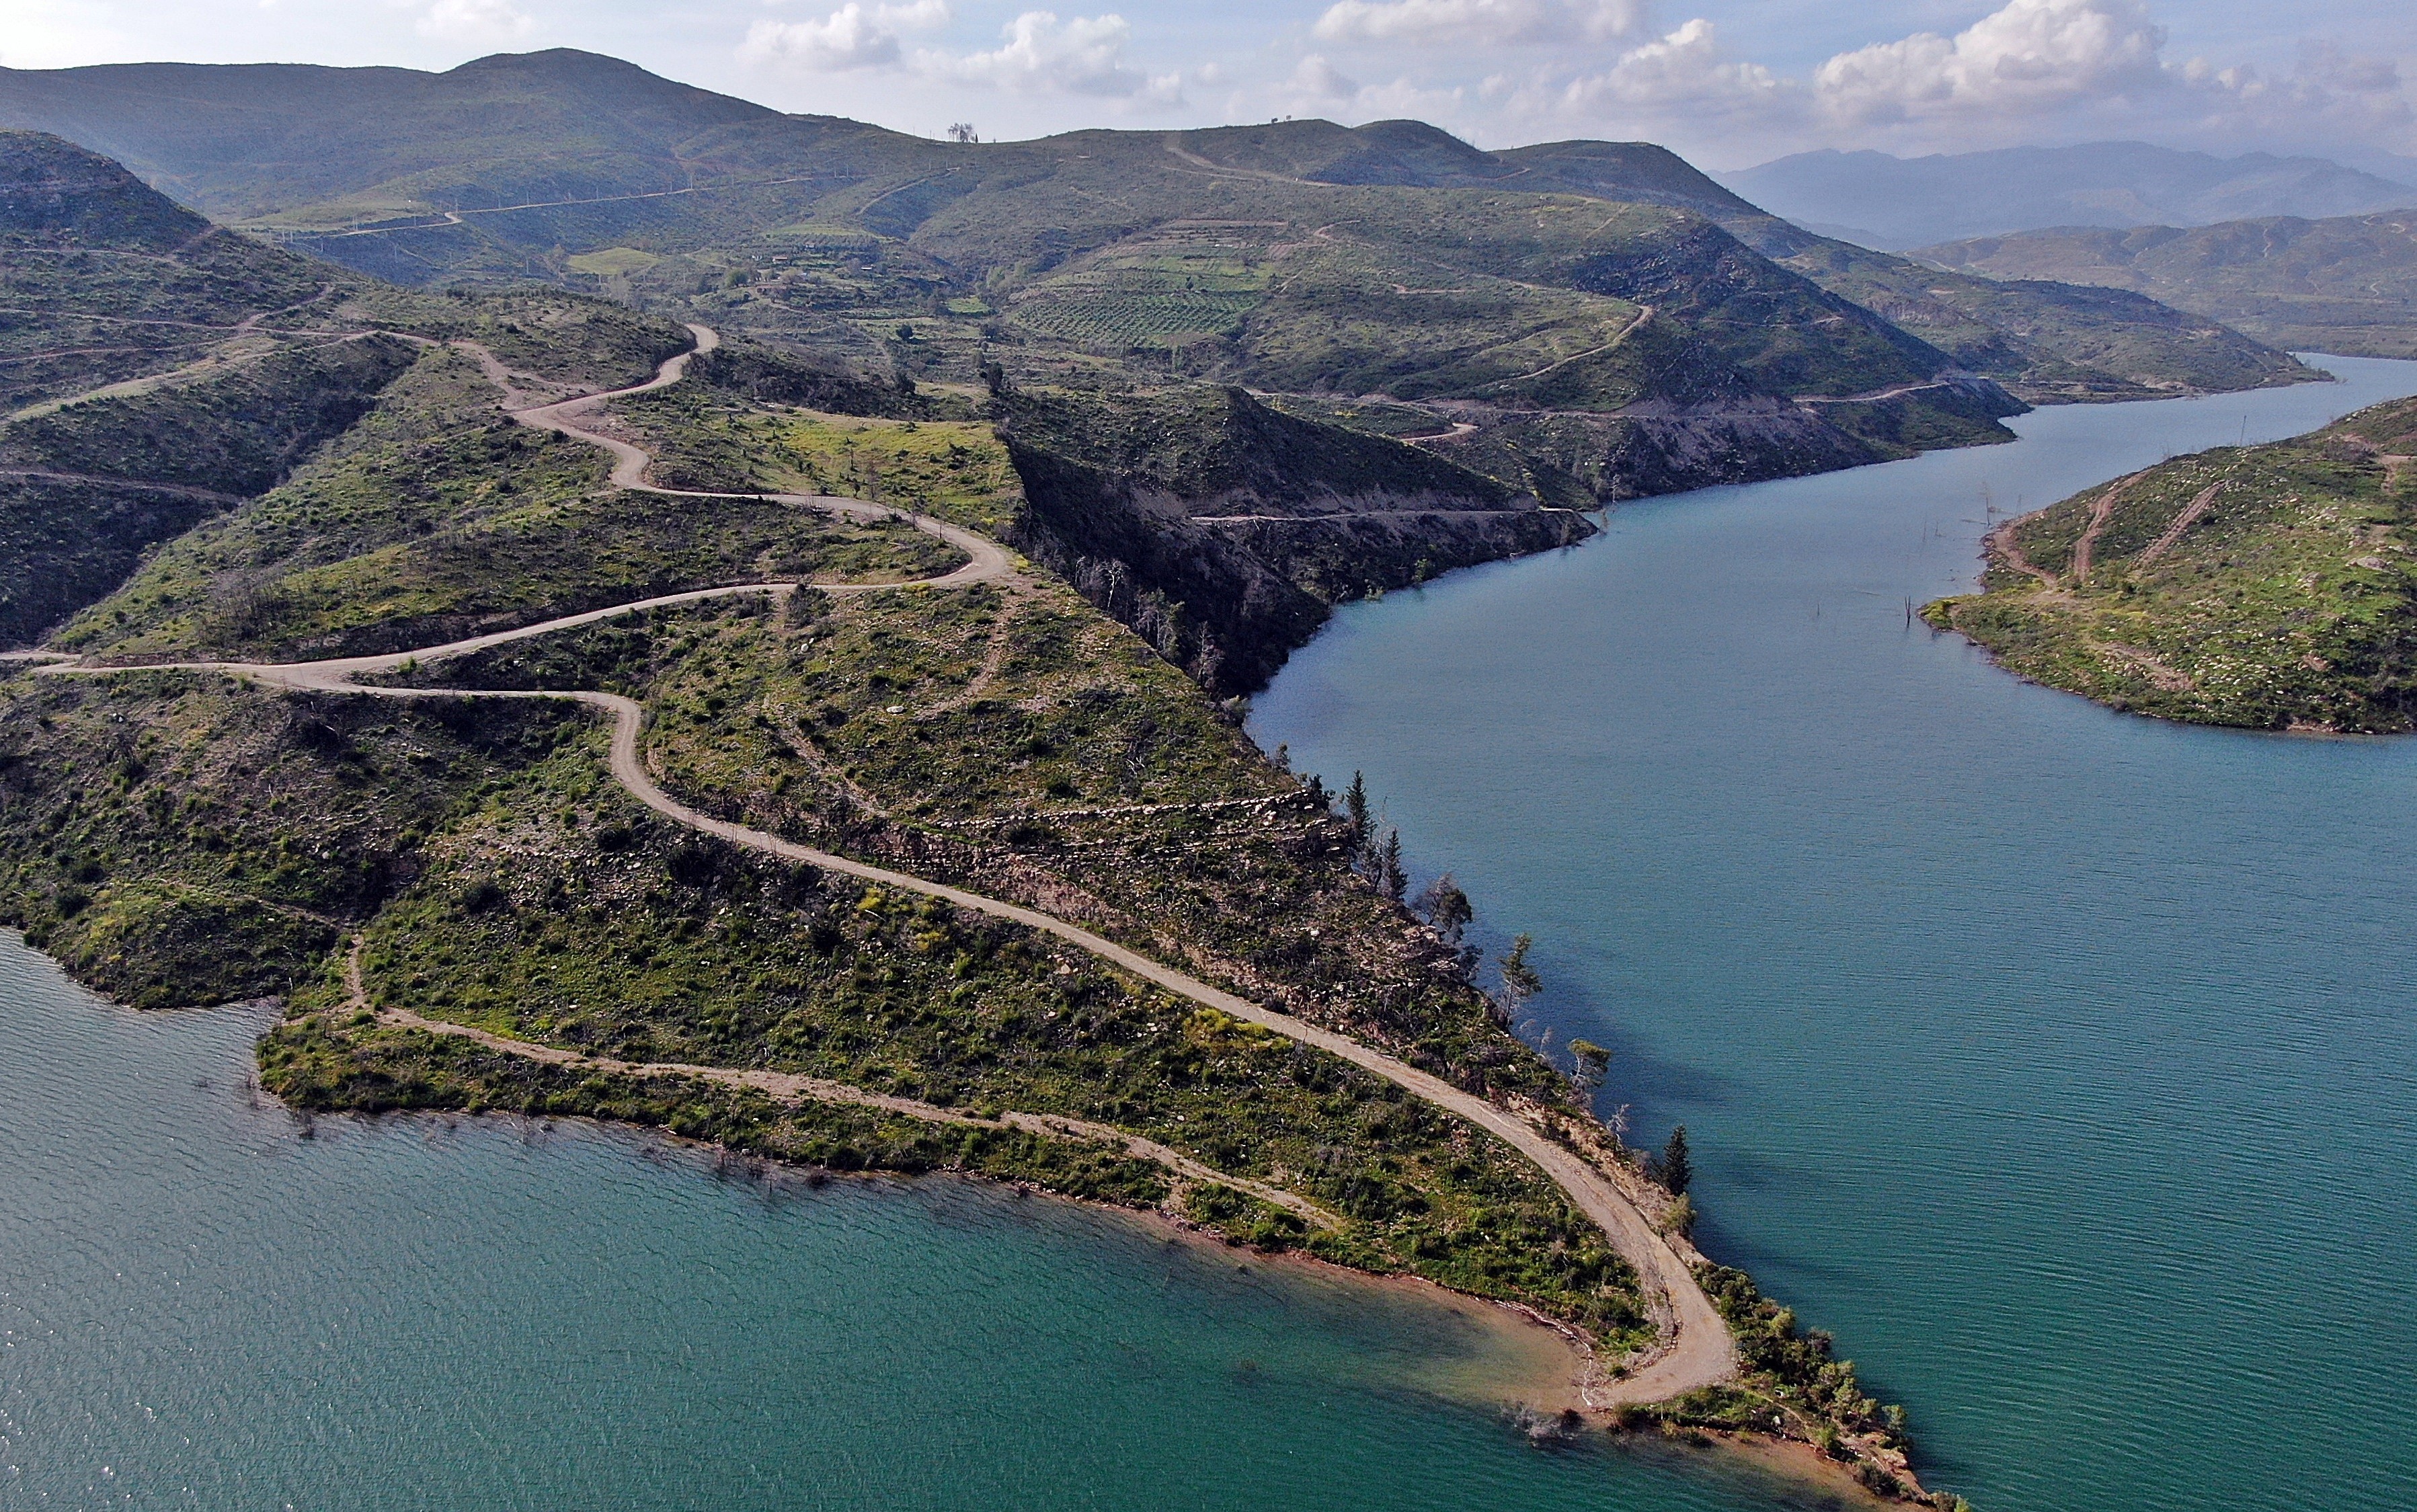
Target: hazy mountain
[1896, 202]
[2345, 284]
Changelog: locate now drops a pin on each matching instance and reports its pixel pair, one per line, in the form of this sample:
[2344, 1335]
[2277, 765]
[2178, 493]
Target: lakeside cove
[208, 1302]
[1980, 1002]
[340, 1050]
[1632, 1475]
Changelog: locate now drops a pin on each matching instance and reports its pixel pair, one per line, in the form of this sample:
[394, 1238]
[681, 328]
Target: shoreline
[1551, 1367]
[1534, 1377]
[1696, 1347]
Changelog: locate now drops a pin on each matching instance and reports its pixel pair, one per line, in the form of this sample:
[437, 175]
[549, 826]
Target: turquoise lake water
[201, 1307]
[2059, 1061]
[2062, 1062]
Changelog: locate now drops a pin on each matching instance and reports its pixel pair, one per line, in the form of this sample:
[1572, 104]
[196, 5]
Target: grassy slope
[188, 366]
[2291, 601]
[2345, 284]
[151, 374]
[1102, 490]
[106, 480]
[436, 518]
[2049, 342]
[2056, 342]
[101, 281]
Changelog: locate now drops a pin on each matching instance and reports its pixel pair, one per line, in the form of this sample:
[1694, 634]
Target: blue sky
[1728, 82]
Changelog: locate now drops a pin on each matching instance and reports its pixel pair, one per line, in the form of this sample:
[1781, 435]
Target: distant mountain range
[1894, 203]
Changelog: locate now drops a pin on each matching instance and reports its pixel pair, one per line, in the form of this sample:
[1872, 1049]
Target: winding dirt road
[2100, 513]
[788, 1086]
[2190, 514]
[1694, 1349]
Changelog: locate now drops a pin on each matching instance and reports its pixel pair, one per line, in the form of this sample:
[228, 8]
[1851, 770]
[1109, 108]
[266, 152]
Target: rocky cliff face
[1225, 588]
[1224, 531]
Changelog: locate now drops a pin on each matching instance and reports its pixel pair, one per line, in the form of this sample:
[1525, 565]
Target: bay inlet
[2058, 1060]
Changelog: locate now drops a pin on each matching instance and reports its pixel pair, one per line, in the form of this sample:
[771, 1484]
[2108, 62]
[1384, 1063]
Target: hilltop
[1133, 256]
[2265, 586]
[2345, 284]
[240, 140]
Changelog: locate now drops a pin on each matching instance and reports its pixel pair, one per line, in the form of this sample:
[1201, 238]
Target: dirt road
[1696, 1348]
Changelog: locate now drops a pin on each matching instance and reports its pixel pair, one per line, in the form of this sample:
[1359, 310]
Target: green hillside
[1123, 253]
[103, 281]
[153, 369]
[2345, 284]
[472, 904]
[175, 485]
[166, 369]
[2048, 342]
[2266, 586]
[233, 141]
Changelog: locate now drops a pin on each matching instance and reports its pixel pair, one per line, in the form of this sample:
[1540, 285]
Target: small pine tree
[1519, 979]
[1389, 875]
[1672, 1168]
[1443, 905]
[1594, 1064]
[1356, 814]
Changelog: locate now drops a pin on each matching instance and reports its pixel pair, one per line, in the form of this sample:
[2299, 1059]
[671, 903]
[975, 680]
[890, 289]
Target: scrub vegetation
[1060, 736]
[2265, 586]
[2342, 283]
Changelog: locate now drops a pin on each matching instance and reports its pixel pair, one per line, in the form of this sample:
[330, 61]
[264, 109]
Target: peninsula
[2268, 586]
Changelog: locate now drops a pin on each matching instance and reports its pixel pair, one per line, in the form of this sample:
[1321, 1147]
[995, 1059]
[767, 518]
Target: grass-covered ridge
[103, 281]
[157, 370]
[436, 516]
[2265, 586]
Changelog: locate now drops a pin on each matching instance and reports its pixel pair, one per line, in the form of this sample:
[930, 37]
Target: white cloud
[1044, 55]
[1314, 79]
[2328, 95]
[1039, 53]
[1685, 70]
[2030, 56]
[853, 36]
[474, 21]
[1494, 22]
[2084, 70]
[1316, 87]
